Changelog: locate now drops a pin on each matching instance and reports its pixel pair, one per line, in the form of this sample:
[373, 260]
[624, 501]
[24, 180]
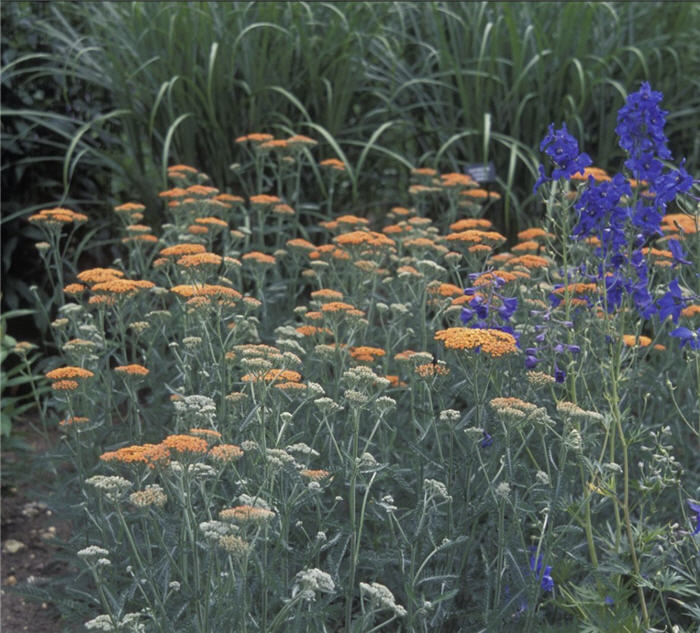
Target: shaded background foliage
[98, 98]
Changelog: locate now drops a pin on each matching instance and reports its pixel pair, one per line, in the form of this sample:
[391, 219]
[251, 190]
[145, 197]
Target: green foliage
[15, 377]
[177, 82]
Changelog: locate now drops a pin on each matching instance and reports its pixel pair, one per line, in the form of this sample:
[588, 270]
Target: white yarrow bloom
[310, 581]
[381, 597]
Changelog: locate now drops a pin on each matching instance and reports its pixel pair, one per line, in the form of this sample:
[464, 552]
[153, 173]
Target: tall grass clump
[406, 423]
[380, 85]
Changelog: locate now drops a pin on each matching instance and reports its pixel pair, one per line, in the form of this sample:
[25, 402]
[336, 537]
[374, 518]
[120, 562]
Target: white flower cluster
[130, 622]
[310, 581]
[381, 597]
[199, 411]
[111, 485]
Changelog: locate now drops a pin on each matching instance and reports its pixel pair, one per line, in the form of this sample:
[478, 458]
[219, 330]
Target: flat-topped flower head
[69, 373]
[99, 275]
[333, 164]
[133, 370]
[246, 515]
[199, 260]
[225, 453]
[185, 444]
[494, 343]
[57, 217]
[151, 455]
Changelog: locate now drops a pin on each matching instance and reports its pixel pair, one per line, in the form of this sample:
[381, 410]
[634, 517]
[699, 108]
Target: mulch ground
[28, 556]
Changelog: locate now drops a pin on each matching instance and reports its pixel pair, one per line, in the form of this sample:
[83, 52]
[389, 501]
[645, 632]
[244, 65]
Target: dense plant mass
[408, 423]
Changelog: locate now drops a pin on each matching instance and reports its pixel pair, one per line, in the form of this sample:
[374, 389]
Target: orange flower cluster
[73, 421]
[471, 223]
[178, 250]
[432, 370]
[185, 444]
[246, 514]
[395, 381]
[259, 258]
[326, 294]
[99, 275]
[209, 434]
[255, 137]
[489, 278]
[224, 453]
[333, 164]
[366, 354]
[533, 233]
[446, 290]
[212, 222]
[328, 250]
[314, 475]
[312, 330]
[57, 217]
[691, 311]
[200, 259]
[598, 174]
[476, 236]
[301, 244]
[341, 307]
[576, 289]
[528, 261]
[69, 373]
[675, 223]
[132, 370]
[274, 375]
[264, 200]
[74, 289]
[151, 455]
[124, 287]
[636, 341]
[364, 238]
[129, 208]
[224, 294]
[494, 343]
[457, 180]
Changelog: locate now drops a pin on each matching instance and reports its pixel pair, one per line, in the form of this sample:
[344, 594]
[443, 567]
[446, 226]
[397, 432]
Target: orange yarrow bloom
[264, 200]
[224, 453]
[123, 286]
[178, 250]
[69, 373]
[246, 514]
[132, 370]
[200, 259]
[185, 444]
[365, 353]
[259, 258]
[314, 475]
[365, 238]
[636, 341]
[56, 216]
[494, 343]
[333, 164]
[98, 275]
[151, 455]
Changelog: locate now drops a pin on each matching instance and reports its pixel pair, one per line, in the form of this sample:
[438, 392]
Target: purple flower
[559, 373]
[487, 441]
[695, 508]
[563, 149]
[671, 303]
[687, 337]
[640, 128]
[677, 251]
[546, 580]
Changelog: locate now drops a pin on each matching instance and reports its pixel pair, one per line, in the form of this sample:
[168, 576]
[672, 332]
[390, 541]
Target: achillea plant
[354, 424]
